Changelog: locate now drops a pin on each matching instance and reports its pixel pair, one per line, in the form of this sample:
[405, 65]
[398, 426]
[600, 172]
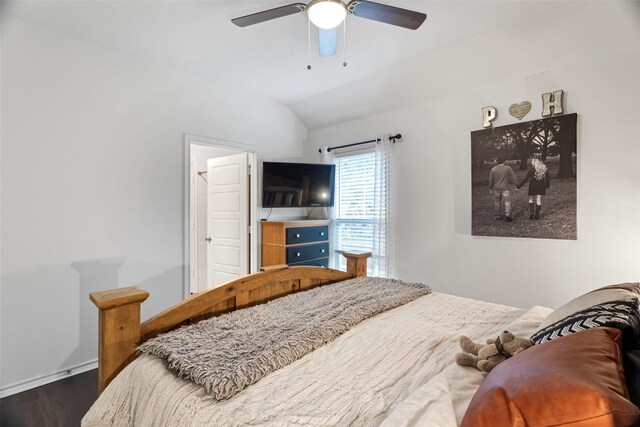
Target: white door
[227, 219]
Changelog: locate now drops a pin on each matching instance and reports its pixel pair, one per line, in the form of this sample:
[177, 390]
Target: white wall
[595, 59]
[92, 185]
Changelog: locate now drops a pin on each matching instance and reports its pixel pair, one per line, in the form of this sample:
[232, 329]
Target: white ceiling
[270, 59]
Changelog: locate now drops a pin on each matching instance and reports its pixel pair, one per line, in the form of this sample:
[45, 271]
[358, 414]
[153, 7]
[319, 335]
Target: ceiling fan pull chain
[308, 44]
[344, 42]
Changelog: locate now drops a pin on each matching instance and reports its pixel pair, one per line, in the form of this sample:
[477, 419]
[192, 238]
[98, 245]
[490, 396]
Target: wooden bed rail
[120, 331]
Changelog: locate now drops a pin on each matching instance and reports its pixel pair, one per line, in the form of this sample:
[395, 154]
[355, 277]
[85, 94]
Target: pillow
[632, 374]
[619, 292]
[624, 315]
[576, 380]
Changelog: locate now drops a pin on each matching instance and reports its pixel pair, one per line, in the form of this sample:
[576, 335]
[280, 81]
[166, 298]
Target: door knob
[208, 239]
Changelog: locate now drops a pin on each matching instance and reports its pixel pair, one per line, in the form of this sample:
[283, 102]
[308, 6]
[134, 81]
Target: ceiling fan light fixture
[326, 14]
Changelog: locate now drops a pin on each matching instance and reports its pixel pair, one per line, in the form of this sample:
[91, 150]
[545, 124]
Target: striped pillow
[622, 314]
[618, 292]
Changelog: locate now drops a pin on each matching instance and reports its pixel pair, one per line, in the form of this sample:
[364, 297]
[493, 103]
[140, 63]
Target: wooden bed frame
[120, 331]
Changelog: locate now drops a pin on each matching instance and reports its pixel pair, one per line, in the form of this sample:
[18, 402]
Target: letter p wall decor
[488, 115]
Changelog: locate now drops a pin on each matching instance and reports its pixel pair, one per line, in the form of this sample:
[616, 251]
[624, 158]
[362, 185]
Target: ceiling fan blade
[268, 15]
[327, 41]
[388, 14]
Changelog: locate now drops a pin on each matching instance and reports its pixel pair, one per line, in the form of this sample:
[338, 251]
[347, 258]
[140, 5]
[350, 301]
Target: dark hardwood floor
[62, 403]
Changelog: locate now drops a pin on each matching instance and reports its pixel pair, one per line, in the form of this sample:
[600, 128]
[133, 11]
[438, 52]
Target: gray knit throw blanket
[228, 353]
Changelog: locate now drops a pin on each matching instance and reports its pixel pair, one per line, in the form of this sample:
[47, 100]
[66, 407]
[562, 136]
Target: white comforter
[395, 369]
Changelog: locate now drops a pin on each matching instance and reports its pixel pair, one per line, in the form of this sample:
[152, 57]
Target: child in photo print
[539, 180]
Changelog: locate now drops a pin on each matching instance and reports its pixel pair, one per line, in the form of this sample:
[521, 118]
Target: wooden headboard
[120, 331]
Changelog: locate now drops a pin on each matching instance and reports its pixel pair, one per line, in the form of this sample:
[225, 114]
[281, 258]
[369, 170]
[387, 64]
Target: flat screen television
[292, 185]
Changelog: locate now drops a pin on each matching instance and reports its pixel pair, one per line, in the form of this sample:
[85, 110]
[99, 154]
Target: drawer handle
[322, 250]
[297, 235]
[322, 233]
[297, 253]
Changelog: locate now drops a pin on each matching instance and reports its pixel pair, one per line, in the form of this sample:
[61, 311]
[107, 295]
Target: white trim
[193, 220]
[253, 215]
[186, 266]
[25, 385]
[219, 142]
[189, 139]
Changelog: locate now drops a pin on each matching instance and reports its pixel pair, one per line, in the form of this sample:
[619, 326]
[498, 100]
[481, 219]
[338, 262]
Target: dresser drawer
[324, 262]
[297, 254]
[307, 234]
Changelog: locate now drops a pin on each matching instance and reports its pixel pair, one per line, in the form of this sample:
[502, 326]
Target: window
[364, 213]
[355, 207]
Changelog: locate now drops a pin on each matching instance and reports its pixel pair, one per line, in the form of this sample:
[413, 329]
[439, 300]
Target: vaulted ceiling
[270, 59]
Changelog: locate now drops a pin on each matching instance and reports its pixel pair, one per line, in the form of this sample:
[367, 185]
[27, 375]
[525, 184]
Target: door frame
[189, 243]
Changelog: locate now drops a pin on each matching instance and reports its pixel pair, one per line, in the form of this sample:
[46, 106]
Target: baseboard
[21, 386]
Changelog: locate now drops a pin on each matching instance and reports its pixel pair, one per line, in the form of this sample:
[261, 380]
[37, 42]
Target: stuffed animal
[487, 357]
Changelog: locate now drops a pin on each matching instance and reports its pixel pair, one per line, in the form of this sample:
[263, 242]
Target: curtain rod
[392, 138]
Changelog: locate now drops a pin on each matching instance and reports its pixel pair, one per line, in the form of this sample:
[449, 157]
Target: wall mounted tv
[287, 185]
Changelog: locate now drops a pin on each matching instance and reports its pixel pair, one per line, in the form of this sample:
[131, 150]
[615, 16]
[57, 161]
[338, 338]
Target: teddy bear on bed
[487, 357]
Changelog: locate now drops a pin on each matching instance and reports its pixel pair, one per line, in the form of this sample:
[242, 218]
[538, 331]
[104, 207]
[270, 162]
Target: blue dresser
[304, 242]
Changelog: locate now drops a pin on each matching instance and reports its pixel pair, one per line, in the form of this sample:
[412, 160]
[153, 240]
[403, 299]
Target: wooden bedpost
[118, 329]
[357, 262]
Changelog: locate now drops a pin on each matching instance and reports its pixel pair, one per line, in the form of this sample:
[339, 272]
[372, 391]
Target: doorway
[220, 212]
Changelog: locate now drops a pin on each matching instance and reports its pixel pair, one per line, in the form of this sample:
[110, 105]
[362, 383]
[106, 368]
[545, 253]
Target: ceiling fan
[328, 14]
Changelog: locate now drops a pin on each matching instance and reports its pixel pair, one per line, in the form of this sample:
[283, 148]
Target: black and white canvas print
[523, 179]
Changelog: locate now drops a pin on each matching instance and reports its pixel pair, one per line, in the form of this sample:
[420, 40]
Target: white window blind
[354, 223]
